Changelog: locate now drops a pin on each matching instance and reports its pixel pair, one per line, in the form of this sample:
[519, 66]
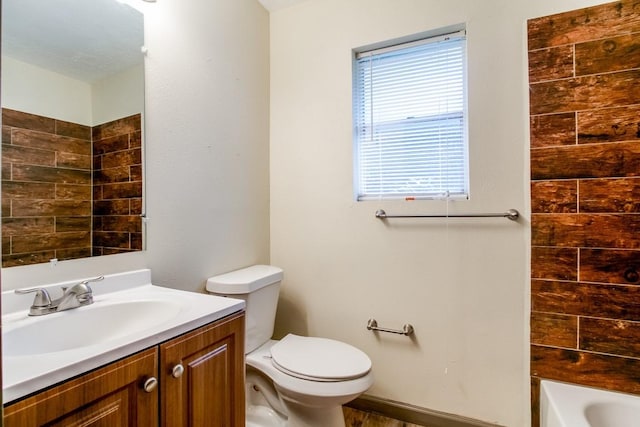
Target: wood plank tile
[618, 337]
[111, 207]
[51, 142]
[535, 402]
[73, 130]
[51, 174]
[610, 266]
[554, 196]
[33, 156]
[620, 195]
[586, 299]
[22, 120]
[42, 242]
[110, 145]
[128, 223]
[578, 367]
[553, 130]
[73, 192]
[111, 239]
[584, 93]
[73, 223]
[136, 241]
[6, 134]
[591, 23]
[554, 263]
[618, 231]
[136, 206]
[608, 55]
[122, 126]
[26, 226]
[22, 208]
[73, 161]
[617, 159]
[117, 174]
[73, 253]
[609, 125]
[554, 330]
[27, 190]
[122, 190]
[551, 64]
[15, 260]
[121, 158]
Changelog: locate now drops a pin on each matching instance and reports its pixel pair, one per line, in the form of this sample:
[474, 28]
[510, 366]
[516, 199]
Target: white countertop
[24, 374]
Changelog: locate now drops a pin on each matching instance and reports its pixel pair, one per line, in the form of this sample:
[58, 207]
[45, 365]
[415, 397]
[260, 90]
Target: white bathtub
[565, 405]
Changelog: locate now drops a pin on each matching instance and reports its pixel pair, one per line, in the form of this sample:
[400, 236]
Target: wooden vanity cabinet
[206, 390]
[202, 382]
[109, 396]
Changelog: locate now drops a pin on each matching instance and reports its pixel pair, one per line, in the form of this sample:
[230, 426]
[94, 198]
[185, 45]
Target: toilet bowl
[297, 381]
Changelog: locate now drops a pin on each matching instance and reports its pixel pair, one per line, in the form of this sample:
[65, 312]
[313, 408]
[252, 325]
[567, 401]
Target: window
[410, 120]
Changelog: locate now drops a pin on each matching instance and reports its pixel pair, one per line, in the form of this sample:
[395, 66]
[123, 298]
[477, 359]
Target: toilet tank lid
[245, 280]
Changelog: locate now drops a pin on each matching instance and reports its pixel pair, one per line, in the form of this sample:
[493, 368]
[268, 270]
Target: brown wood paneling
[26, 259]
[607, 55]
[50, 174]
[73, 130]
[609, 125]
[19, 119]
[586, 299]
[73, 223]
[554, 329]
[33, 156]
[554, 263]
[26, 226]
[554, 196]
[617, 159]
[118, 174]
[610, 372]
[54, 240]
[73, 191]
[51, 142]
[126, 157]
[110, 145]
[619, 337]
[111, 207]
[51, 208]
[584, 93]
[73, 161]
[609, 266]
[621, 195]
[27, 190]
[553, 130]
[551, 64]
[591, 23]
[122, 190]
[125, 125]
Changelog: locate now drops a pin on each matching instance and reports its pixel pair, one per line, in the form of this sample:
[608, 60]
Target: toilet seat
[319, 359]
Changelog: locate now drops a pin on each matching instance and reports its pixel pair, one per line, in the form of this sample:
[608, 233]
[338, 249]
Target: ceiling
[273, 5]
[84, 40]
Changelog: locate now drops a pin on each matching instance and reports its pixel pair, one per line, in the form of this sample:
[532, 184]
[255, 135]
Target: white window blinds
[409, 112]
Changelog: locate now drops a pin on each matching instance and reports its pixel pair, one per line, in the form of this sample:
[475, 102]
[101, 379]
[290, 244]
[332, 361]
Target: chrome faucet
[72, 297]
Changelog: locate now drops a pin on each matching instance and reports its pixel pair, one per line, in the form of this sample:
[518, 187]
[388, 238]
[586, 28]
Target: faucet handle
[42, 298]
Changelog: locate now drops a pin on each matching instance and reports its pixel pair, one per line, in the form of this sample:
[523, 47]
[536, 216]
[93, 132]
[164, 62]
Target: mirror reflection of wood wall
[51, 207]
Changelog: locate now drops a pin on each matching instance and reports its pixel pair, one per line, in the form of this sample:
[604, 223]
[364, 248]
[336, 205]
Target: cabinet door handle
[150, 384]
[177, 371]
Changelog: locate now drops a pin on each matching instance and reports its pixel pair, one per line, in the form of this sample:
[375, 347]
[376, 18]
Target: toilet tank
[258, 286]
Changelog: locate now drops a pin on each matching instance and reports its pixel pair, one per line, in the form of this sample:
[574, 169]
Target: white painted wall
[39, 91]
[117, 96]
[463, 284]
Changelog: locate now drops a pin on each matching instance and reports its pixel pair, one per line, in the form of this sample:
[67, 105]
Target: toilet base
[304, 416]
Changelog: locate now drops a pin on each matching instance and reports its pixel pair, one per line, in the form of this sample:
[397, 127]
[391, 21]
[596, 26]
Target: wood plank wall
[47, 206]
[584, 75]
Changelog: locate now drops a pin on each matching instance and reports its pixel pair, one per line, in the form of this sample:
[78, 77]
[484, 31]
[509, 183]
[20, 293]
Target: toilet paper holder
[407, 329]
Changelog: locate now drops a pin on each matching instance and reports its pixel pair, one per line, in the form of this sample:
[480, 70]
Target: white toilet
[297, 381]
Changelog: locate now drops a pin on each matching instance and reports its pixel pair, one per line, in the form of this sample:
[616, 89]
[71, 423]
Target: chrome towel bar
[511, 214]
[372, 325]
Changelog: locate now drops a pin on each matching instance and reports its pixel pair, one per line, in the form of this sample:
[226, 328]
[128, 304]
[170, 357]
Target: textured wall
[585, 188]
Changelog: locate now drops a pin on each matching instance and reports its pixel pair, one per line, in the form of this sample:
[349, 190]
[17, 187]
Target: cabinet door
[202, 377]
[111, 396]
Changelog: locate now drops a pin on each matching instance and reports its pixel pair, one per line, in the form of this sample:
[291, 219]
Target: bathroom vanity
[185, 370]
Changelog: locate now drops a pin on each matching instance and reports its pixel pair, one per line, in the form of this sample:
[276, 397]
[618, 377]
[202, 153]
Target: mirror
[72, 107]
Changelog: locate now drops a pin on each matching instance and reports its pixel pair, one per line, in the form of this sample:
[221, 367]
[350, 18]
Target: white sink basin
[85, 326]
[129, 314]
